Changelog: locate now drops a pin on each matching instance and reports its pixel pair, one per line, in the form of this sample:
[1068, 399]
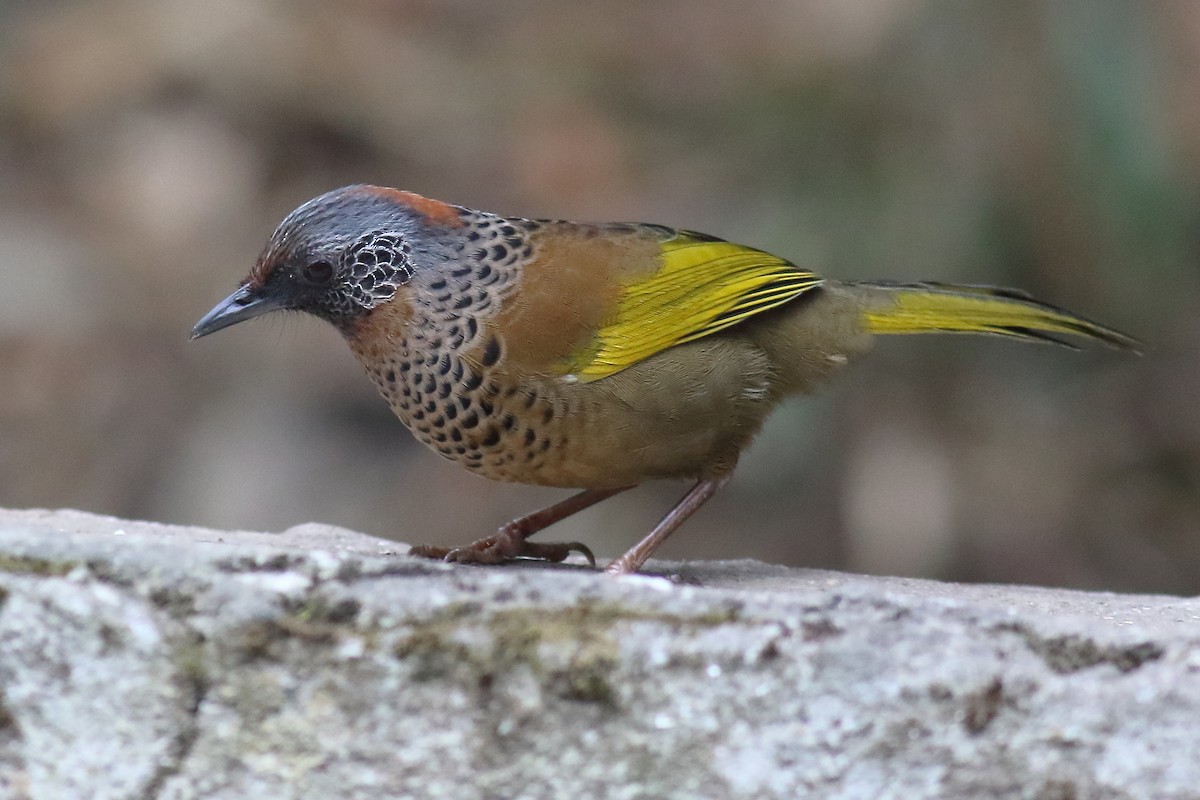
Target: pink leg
[697, 496]
[509, 542]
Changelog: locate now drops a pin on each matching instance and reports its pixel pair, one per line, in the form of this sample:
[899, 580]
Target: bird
[589, 356]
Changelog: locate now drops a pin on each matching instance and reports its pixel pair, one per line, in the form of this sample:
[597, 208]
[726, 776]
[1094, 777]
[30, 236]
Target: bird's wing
[702, 286]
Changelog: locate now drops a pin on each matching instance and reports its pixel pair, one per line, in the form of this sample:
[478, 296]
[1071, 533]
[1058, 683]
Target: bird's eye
[319, 273]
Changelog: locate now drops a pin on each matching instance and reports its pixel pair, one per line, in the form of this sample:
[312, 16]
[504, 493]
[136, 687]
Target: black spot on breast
[439, 421]
[451, 411]
[437, 285]
[470, 421]
[530, 399]
[483, 273]
[443, 364]
[492, 438]
[444, 390]
[418, 414]
[544, 445]
[508, 421]
[548, 414]
[456, 434]
[430, 407]
[491, 352]
[485, 406]
[430, 384]
[462, 302]
[530, 437]
[390, 377]
[472, 382]
[405, 366]
[499, 252]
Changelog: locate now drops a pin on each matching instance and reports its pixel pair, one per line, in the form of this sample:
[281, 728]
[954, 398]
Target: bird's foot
[502, 548]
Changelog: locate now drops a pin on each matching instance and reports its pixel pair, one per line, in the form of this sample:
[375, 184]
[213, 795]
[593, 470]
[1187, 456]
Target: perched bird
[588, 356]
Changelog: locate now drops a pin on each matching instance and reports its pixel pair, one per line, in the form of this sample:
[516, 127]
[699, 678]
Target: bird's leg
[509, 542]
[697, 496]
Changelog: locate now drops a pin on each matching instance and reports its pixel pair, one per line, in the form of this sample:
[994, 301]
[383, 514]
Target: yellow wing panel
[704, 285]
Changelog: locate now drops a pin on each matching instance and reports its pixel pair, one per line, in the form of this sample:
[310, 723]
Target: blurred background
[148, 147]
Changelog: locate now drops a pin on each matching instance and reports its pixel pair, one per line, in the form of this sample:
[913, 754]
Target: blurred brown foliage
[148, 148]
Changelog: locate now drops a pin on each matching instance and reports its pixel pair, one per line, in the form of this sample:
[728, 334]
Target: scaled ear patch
[378, 265]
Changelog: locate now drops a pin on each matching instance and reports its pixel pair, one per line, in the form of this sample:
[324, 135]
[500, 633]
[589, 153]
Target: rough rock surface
[141, 660]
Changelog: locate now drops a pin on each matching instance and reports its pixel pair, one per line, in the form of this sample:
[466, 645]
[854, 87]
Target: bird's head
[339, 256]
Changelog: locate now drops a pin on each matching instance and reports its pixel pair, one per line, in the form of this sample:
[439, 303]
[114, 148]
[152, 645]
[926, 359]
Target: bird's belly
[596, 445]
[684, 413]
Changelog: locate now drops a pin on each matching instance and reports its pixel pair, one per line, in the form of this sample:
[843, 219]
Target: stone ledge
[142, 660]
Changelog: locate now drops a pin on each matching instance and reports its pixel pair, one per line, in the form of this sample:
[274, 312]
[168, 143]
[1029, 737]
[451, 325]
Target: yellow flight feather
[949, 308]
[703, 285]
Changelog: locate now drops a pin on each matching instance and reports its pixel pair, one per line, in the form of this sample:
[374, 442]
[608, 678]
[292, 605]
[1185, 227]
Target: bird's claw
[501, 550]
[429, 551]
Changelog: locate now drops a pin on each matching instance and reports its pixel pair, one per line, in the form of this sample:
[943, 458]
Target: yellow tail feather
[948, 308]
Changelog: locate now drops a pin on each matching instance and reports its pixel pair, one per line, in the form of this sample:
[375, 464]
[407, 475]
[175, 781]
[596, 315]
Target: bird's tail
[949, 308]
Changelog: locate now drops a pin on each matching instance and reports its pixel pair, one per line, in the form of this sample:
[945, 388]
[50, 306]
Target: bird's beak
[241, 305]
